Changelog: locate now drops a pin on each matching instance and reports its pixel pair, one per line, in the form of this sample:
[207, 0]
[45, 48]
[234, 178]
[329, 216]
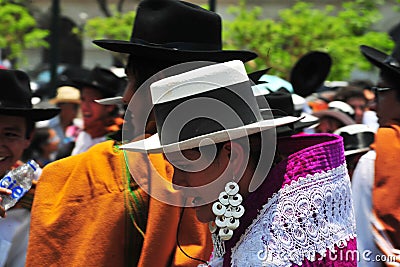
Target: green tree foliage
[281, 42]
[303, 28]
[118, 27]
[18, 30]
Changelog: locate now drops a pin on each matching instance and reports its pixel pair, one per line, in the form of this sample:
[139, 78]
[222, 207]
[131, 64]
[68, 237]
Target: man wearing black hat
[376, 177]
[139, 230]
[98, 120]
[17, 122]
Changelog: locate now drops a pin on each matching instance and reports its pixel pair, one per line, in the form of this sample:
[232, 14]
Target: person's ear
[237, 157]
[110, 108]
[27, 141]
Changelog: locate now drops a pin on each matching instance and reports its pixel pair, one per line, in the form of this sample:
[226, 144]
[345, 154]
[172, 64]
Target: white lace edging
[306, 217]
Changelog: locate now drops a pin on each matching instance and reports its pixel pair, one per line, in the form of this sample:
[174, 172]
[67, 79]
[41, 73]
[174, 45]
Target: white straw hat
[207, 105]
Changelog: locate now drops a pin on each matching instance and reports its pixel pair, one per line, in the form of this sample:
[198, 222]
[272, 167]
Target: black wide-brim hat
[16, 95]
[103, 80]
[383, 61]
[176, 31]
[310, 72]
[281, 104]
[357, 138]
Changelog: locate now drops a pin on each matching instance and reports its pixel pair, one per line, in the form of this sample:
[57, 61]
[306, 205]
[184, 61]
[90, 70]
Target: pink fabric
[306, 154]
[311, 154]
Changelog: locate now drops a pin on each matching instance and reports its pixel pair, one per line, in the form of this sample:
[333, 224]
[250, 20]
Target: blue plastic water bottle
[19, 181]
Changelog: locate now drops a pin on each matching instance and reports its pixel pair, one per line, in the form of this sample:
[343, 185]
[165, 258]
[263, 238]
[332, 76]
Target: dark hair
[254, 142]
[364, 84]
[143, 68]
[391, 80]
[30, 126]
[346, 92]
[40, 138]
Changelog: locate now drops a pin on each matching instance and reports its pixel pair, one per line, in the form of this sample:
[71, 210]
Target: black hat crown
[16, 95]
[178, 25]
[103, 80]
[310, 72]
[16, 90]
[177, 31]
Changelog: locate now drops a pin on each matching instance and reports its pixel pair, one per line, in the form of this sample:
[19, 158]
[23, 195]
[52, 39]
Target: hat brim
[152, 144]
[110, 100]
[356, 151]
[297, 126]
[310, 72]
[33, 114]
[306, 121]
[59, 100]
[163, 53]
[378, 58]
[345, 119]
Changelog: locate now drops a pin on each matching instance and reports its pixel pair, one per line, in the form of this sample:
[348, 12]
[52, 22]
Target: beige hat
[67, 94]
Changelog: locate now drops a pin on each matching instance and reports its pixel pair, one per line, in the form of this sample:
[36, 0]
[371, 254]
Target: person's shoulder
[105, 146]
[370, 155]
[105, 149]
[60, 163]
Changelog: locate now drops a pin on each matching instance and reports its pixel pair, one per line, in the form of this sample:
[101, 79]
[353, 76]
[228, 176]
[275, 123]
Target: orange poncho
[386, 191]
[84, 214]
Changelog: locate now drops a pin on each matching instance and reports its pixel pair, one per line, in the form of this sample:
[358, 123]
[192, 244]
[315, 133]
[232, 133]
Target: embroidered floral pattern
[306, 217]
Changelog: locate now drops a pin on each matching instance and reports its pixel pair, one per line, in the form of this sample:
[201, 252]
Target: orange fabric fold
[80, 216]
[386, 191]
[163, 219]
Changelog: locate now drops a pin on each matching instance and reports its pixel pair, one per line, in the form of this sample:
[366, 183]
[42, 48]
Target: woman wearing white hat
[264, 207]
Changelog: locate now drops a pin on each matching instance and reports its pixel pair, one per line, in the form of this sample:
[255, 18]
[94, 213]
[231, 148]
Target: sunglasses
[376, 89]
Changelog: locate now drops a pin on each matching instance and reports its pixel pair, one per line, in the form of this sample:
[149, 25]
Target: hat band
[207, 112]
[181, 45]
[392, 62]
[276, 100]
[357, 141]
[7, 104]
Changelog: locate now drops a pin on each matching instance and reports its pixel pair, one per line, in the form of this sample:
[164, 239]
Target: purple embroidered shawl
[307, 154]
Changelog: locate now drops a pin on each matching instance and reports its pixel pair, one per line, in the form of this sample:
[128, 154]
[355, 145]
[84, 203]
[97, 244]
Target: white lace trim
[306, 217]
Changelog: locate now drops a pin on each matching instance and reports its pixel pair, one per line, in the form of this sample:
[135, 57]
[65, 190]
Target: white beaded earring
[228, 210]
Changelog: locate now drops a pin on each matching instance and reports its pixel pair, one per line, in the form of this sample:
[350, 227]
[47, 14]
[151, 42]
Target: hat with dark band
[182, 121]
[281, 103]
[357, 138]
[177, 31]
[16, 96]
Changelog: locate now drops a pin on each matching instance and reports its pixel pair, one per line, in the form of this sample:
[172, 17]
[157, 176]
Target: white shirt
[14, 234]
[85, 141]
[370, 119]
[362, 183]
